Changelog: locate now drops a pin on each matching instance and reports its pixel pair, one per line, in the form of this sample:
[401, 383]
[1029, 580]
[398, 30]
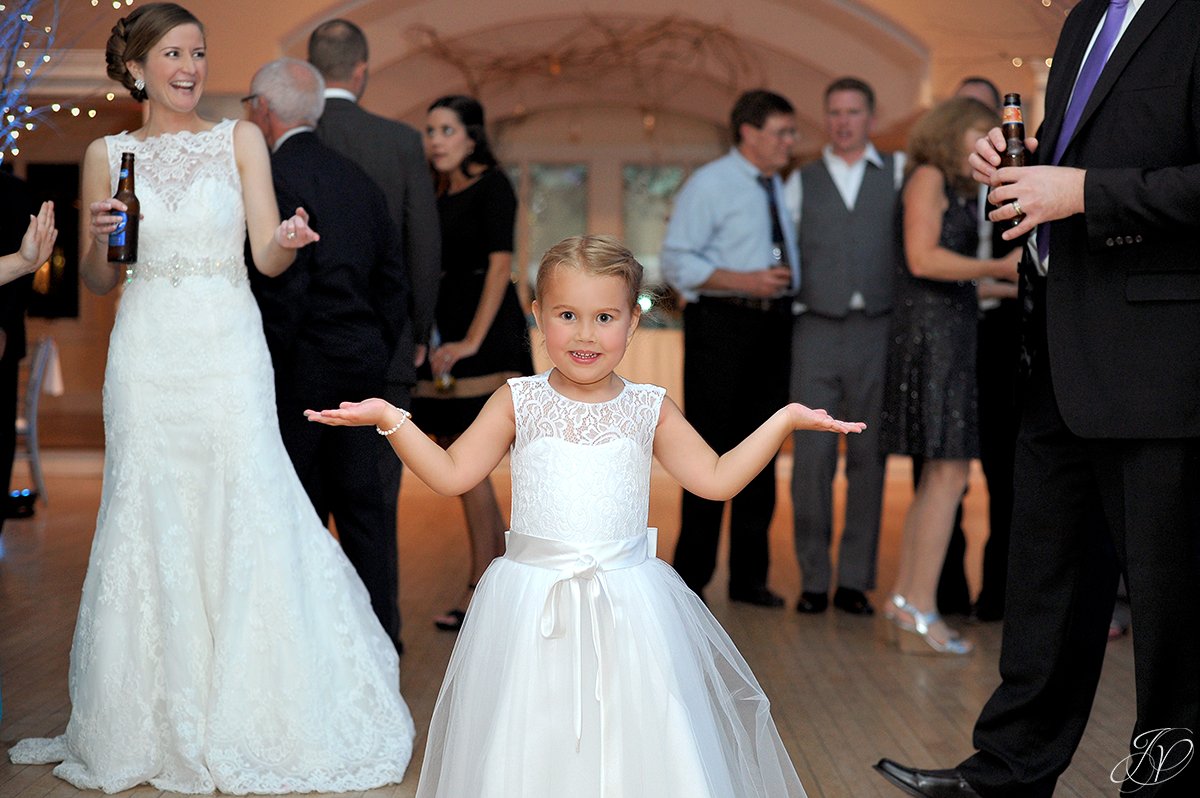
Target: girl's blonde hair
[936, 138]
[603, 256]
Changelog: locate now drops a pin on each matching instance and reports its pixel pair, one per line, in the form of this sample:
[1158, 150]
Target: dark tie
[1088, 75]
[777, 240]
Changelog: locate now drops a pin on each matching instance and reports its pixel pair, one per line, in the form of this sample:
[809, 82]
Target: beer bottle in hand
[1013, 127]
[1012, 124]
[122, 242]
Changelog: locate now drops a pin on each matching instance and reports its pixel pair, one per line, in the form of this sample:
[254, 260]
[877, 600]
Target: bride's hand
[104, 218]
[294, 233]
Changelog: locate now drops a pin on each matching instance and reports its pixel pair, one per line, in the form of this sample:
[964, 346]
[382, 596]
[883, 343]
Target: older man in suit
[393, 154]
[1108, 457]
[332, 322]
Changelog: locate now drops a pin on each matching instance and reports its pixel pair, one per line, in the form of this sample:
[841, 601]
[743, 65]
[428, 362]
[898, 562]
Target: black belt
[779, 305]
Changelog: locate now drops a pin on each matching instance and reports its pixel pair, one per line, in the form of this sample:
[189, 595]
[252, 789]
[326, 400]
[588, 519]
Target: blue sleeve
[686, 263]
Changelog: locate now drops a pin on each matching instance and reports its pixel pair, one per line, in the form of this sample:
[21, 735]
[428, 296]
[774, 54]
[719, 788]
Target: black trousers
[9, 368]
[736, 366]
[343, 470]
[1084, 511]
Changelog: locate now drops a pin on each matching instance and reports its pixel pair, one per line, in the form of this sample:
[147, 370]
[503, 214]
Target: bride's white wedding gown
[223, 640]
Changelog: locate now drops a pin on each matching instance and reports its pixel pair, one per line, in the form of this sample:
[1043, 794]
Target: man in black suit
[393, 154]
[1108, 457]
[332, 322]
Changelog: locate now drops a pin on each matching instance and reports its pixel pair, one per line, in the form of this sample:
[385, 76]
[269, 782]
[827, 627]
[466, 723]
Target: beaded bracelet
[404, 416]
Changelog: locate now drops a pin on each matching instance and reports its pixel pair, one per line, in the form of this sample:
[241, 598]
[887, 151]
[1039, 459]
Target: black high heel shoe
[452, 620]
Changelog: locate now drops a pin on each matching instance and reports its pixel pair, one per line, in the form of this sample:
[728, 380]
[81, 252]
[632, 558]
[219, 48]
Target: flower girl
[586, 668]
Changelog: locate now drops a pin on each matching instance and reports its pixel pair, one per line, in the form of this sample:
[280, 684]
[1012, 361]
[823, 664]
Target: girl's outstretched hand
[807, 418]
[357, 414]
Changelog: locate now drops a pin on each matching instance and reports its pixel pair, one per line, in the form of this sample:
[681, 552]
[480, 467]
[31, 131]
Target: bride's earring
[139, 84]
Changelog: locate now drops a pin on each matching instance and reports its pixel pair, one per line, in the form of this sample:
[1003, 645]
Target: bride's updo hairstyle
[602, 256]
[134, 35]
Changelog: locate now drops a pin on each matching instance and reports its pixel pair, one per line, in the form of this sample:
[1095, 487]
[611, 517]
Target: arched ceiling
[912, 51]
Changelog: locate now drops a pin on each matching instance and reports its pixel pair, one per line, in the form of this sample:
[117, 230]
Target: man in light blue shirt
[733, 256]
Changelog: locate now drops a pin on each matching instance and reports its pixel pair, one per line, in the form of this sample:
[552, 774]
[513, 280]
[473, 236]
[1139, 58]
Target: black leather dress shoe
[926, 783]
[987, 613]
[758, 595]
[812, 603]
[852, 601]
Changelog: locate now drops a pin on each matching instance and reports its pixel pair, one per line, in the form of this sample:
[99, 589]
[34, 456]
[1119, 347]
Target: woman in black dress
[482, 336]
[929, 401]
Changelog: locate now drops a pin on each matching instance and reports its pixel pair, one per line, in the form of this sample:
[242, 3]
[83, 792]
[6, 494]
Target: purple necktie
[1084, 84]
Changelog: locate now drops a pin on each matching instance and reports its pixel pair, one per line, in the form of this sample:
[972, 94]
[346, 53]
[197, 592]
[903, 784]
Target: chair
[27, 411]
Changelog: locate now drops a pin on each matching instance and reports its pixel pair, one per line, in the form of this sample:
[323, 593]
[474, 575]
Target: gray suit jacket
[391, 152]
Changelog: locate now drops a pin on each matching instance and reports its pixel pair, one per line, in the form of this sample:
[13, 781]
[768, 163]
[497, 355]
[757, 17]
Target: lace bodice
[191, 198]
[581, 471]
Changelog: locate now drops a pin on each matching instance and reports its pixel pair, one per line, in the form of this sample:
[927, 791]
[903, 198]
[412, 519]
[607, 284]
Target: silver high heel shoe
[893, 624]
[918, 640]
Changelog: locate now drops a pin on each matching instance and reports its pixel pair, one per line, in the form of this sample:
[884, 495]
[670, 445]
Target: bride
[223, 641]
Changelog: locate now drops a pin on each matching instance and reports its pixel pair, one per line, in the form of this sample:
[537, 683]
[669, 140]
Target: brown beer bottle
[123, 242]
[1012, 124]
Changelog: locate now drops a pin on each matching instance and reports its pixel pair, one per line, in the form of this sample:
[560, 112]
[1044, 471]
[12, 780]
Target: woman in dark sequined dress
[929, 401]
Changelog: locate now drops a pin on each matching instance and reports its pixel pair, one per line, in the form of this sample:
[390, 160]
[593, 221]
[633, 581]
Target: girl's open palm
[354, 414]
[807, 418]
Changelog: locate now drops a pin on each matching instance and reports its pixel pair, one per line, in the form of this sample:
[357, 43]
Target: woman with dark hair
[929, 405]
[224, 642]
[482, 336]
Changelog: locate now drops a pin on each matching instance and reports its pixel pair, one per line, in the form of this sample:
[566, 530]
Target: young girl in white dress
[586, 667]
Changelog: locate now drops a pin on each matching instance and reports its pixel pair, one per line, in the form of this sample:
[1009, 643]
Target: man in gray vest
[850, 252]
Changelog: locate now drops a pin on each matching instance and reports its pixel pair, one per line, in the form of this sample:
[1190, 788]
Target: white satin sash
[581, 586]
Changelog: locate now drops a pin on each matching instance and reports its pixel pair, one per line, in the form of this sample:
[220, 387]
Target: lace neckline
[181, 134]
[565, 398]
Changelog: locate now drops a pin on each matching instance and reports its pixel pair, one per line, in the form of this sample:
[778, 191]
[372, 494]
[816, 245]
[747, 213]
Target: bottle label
[124, 173]
[1012, 113]
[117, 237]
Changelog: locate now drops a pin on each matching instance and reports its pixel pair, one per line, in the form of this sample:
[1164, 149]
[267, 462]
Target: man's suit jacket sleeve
[391, 293]
[1151, 118]
[423, 238]
[283, 299]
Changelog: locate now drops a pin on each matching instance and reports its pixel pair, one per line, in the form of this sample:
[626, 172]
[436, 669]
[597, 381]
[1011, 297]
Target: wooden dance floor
[841, 697]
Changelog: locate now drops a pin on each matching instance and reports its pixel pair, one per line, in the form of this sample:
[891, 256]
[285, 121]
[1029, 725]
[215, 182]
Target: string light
[28, 29]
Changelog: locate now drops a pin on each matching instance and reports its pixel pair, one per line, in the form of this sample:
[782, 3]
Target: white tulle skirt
[592, 670]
